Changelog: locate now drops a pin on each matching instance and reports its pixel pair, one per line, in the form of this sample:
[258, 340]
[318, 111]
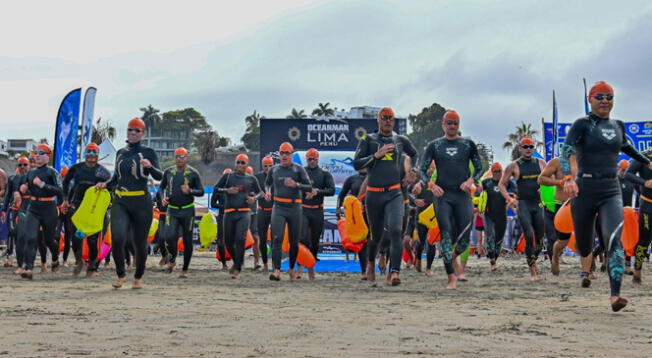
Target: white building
[3, 148]
[21, 145]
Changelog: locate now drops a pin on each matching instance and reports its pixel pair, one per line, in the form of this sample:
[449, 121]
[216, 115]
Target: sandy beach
[495, 314]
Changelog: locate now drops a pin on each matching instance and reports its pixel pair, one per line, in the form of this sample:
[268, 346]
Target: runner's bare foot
[162, 262]
[138, 284]
[183, 274]
[27, 274]
[417, 265]
[311, 274]
[636, 279]
[275, 276]
[428, 272]
[382, 264]
[371, 272]
[55, 266]
[292, 274]
[19, 270]
[44, 267]
[265, 268]
[452, 282]
[235, 274]
[170, 267]
[394, 279]
[92, 274]
[77, 269]
[65, 264]
[119, 282]
[534, 273]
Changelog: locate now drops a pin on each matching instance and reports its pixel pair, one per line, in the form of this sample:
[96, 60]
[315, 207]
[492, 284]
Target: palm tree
[151, 118]
[514, 138]
[206, 141]
[297, 114]
[323, 110]
[102, 131]
[251, 138]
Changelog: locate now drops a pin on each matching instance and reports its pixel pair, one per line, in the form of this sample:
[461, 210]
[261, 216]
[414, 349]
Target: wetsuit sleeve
[629, 150]
[304, 180]
[477, 163]
[9, 192]
[220, 187]
[255, 186]
[574, 136]
[409, 149]
[428, 156]
[329, 185]
[634, 169]
[214, 197]
[163, 184]
[56, 188]
[346, 187]
[196, 189]
[154, 171]
[269, 180]
[362, 158]
[67, 192]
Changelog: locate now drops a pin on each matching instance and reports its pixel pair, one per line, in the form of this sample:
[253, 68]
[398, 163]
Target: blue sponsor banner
[87, 116]
[639, 134]
[65, 136]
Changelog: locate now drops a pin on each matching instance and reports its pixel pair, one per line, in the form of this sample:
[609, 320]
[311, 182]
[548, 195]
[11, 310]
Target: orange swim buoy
[629, 235]
[571, 243]
[107, 236]
[180, 246]
[226, 253]
[62, 242]
[520, 248]
[286, 241]
[305, 257]
[249, 240]
[434, 235]
[564, 219]
[346, 242]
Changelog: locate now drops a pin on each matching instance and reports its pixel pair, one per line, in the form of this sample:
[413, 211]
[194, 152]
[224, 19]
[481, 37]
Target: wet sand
[495, 314]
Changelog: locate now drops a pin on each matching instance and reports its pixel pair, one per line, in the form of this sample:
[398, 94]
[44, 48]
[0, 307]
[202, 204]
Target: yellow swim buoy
[89, 217]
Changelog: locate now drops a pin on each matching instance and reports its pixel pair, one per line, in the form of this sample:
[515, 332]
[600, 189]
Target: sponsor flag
[66, 131]
[586, 99]
[87, 117]
[555, 128]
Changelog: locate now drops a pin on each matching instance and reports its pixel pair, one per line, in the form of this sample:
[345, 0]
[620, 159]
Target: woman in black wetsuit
[597, 140]
[132, 204]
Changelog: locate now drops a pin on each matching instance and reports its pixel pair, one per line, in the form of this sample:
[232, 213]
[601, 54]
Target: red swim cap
[496, 167]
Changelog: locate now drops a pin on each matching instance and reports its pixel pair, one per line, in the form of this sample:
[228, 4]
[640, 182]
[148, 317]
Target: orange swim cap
[44, 147]
[286, 147]
[92, 146]
[623, 164]
[249, 170]
[601, 86]
[526, 141]
[451, 115]
[180, 151]
[496, 167]
[386, 112]
[63, 171]
[267, 160]
[242, 158]
[23, 160]
[312, 153]
[136, 123]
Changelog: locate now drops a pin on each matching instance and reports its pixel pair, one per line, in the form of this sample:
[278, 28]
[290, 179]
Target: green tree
[184, 123]
[206, 141]
[102, 130]
[426, 125]
[323, 110]
[151, 118]
[486, 155]
[513, 139]
[251, 137]
[297, 114]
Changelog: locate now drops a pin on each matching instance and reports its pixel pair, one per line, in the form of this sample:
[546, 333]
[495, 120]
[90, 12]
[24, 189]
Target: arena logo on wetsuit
[639, 134]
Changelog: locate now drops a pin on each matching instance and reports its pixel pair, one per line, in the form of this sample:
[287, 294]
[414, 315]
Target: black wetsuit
[352, 186]
[313, 209]
[237, 213]
[158, 238]
[530, 216]
[83, 177]
[495, 216]
[180, 214]
[286, 209]
[638, 174]
[422, 230]
[132, 206]
[14, 215]
[597, 143]
[42, 212]
[384, 200]
[217, 201]
[455, 206]
[263, 217]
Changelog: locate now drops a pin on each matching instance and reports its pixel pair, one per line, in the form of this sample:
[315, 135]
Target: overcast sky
[496, 62]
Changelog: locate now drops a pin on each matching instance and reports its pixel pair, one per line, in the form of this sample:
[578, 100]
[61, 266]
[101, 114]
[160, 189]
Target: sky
[495, 62]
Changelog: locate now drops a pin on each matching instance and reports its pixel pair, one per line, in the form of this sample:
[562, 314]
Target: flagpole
[586, 100]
